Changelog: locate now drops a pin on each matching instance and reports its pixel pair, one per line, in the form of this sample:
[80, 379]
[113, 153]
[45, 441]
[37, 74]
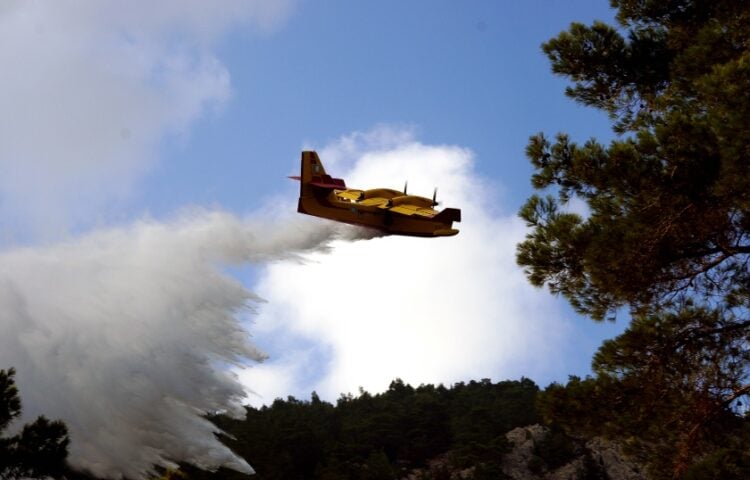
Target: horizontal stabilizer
[448, 215]
[326, 181]
[328, 185]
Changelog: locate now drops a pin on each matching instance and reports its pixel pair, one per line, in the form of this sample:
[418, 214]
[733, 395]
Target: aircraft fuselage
[329, 206]
[388, 210]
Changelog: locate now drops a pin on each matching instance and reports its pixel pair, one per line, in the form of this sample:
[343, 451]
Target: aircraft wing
[375, 202]
[352, 195]
[410, 210]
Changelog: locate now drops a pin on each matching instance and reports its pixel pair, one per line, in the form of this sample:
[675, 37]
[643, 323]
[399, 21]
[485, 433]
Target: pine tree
[666, 233]
[669, 200]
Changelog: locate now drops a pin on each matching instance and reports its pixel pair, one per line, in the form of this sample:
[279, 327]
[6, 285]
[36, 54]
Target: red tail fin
[312, 174]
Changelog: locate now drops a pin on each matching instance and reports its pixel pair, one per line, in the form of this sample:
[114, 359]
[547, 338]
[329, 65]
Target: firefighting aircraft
[391, 211]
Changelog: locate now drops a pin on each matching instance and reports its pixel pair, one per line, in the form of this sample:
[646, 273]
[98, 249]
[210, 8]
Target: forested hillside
[476, 430]
[381, 436]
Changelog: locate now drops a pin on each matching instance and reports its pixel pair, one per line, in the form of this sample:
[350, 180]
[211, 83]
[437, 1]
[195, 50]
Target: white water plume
[127, 334]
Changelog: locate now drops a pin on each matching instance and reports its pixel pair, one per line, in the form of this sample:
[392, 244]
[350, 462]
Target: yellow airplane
[391, 211]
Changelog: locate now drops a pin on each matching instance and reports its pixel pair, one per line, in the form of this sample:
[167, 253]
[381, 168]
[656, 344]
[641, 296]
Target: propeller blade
[406, 183]
[434, 197]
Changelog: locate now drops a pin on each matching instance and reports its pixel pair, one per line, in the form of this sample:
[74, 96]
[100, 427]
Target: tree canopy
[39, 450]
[381, 436]
[665, 232]
[667, 202]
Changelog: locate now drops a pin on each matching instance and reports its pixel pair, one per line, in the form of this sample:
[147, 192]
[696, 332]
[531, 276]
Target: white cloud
[424, 310]
[89, 89]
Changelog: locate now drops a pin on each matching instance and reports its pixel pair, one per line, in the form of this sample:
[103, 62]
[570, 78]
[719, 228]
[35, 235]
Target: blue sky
[470, 74]
[143, 202]
[462, 73]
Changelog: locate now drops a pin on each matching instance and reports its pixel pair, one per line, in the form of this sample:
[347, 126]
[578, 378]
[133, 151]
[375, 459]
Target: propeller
[434, 198]
[406, 183]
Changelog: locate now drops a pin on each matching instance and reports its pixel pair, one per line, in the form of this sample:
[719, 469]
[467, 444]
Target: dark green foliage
[380, 436]
[10, 402]
[555, 450]
[666, 388]
[666, 232]
[39, 450]
[728, 463]
[669, 202]
[377, 467]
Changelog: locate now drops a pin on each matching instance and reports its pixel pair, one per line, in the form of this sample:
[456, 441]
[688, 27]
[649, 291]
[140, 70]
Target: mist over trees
[666, 236]
[40, 448]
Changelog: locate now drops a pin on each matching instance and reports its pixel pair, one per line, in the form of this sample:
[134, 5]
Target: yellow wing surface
[374, 202]
[350, 195]
[408, 205]
[408, 209]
